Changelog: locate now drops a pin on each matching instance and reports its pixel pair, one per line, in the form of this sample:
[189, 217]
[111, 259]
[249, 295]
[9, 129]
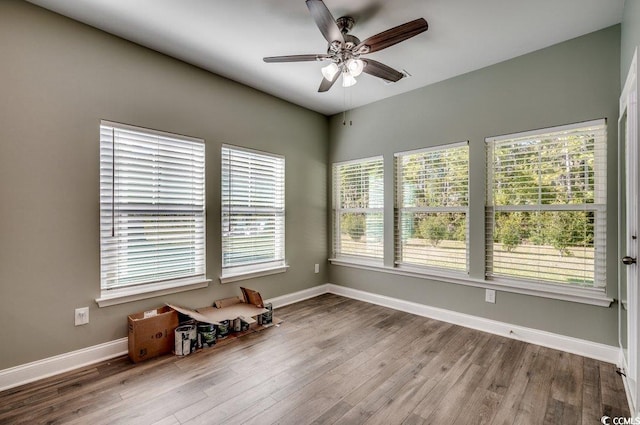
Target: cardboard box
[229, 309]
[151, 333]
[226, 302]
[215, 315]
[252, 297]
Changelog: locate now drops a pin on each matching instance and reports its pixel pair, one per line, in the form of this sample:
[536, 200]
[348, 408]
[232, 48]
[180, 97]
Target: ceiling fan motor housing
[345, 23]
[350, 41]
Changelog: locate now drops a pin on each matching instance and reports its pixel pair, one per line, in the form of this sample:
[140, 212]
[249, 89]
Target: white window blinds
[152, 207]
[358, 206]
[432, 187]
[253, 208]
[546, 205]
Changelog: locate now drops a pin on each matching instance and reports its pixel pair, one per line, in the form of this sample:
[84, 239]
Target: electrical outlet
[490, 296]
[316, 268]
[82, 316]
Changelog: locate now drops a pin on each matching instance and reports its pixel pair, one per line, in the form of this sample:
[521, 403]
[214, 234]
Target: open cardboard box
[231, 309]
[151, 333]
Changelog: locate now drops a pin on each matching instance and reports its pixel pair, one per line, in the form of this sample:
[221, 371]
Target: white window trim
[336, 211]
[584, 295]
[433, 148]
[150, 131]
[151, 290]
[243, 275]
[397, 210]
[543, 131]
[350, 260]
[256, 270]
[540, 288]
[591, 296]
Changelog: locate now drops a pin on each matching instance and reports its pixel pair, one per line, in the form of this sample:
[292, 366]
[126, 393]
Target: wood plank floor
[335, 360]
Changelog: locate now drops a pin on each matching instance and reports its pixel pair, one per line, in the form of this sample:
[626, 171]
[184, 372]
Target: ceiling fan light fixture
[330, 71]
[344, 49]
[355, 67]
[348, 80]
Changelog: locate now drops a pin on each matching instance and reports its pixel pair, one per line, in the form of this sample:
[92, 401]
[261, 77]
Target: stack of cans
[267, 318]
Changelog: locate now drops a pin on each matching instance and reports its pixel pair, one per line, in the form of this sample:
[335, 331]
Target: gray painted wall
[630, 36]
[574, 81]
[58, 78]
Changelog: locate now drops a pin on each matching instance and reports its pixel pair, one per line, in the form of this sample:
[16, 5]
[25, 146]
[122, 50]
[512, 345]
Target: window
[358, 207]
[252, 211]
[546, 205]
[432, 188]
[152, 209]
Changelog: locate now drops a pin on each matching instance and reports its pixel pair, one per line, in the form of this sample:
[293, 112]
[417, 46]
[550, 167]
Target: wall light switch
[490, 296]
[316, 269]
[82, 316]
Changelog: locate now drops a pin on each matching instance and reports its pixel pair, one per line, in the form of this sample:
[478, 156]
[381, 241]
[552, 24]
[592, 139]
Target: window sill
[126, 295]
[234, 277]
[374, 263]
[590, 296]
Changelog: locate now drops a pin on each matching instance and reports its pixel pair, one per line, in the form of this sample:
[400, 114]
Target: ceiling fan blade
[393, 36]
[325, 21]
[295, 58]
[381, 70]
[325, 85]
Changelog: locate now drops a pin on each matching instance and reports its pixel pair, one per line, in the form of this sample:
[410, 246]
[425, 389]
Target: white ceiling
[230, 38]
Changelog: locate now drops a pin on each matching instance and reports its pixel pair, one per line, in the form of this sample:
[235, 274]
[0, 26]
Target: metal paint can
[267, 317]
[244, 326]
[237, 326]
[223, 329]
[185, 340]
[206, 335]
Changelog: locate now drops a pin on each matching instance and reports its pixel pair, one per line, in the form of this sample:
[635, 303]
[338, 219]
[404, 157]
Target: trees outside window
[358, 207]
[546, 205]
[432, 187]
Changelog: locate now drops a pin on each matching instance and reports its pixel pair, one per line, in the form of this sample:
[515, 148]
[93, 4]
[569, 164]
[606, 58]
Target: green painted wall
[58, 79]
[574, 81]
[630, 36]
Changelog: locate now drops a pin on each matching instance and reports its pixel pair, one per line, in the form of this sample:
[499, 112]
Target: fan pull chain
[346, 106]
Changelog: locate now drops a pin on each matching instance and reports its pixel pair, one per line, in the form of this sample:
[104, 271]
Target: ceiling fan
[345, 50]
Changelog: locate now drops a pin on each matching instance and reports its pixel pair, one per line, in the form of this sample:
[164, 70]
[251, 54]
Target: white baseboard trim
[594, 350]
[298, 296]
[40, 369]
